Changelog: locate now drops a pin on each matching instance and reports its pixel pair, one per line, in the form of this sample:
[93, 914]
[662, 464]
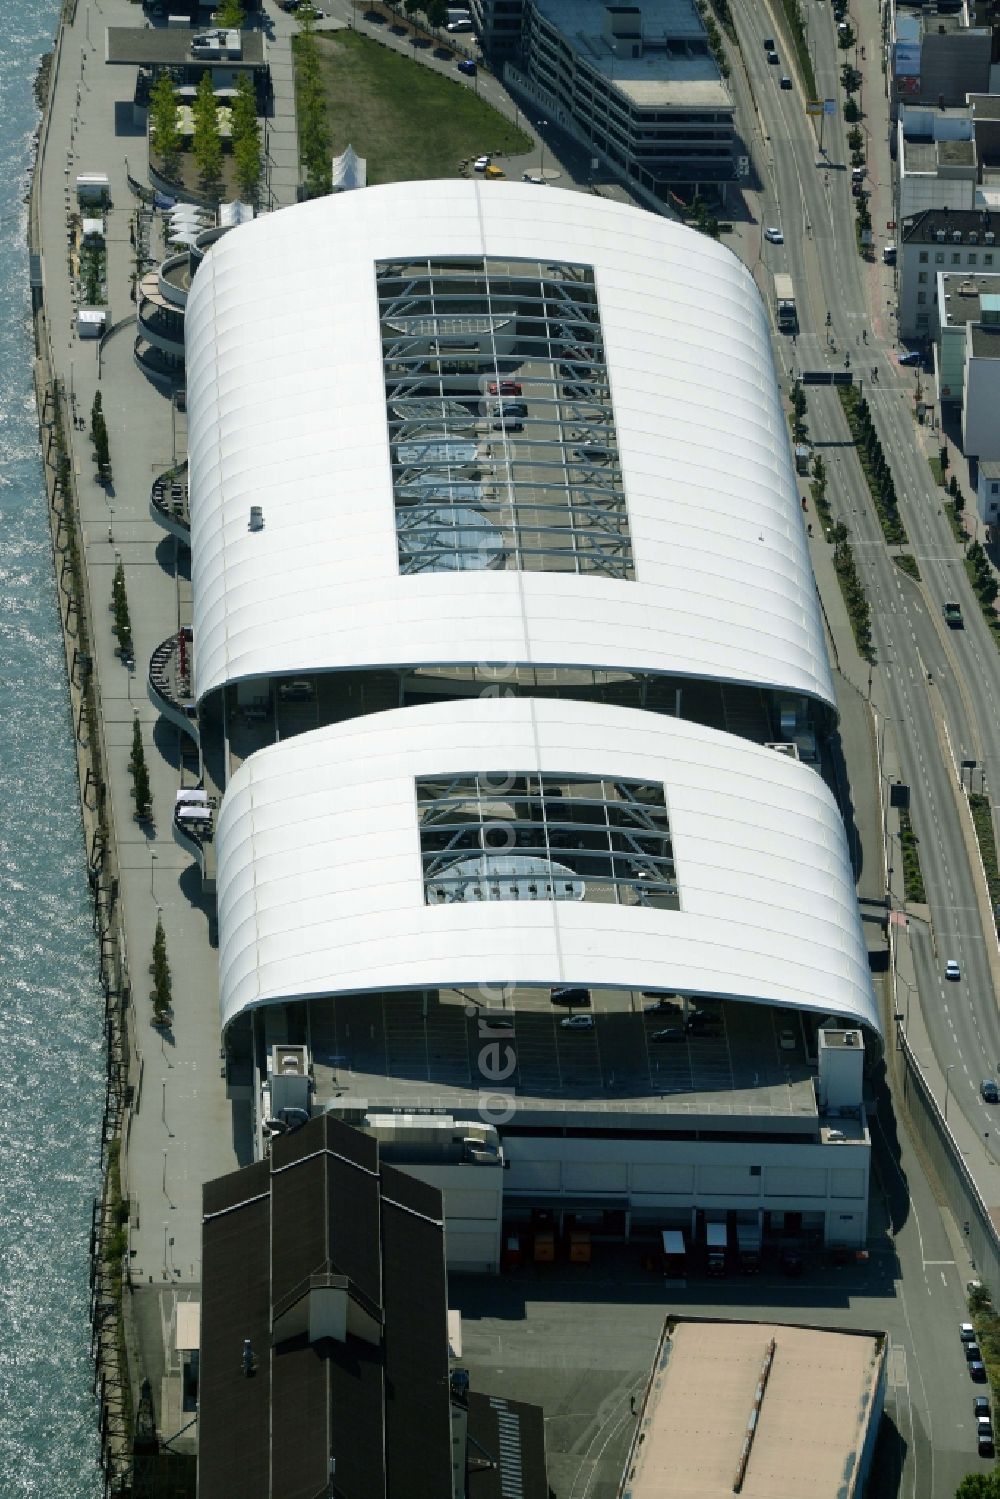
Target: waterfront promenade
[179, 1129]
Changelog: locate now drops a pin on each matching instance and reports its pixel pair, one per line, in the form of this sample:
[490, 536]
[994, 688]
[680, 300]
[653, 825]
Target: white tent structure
[349, 171]
[722, 587]
[320, 886]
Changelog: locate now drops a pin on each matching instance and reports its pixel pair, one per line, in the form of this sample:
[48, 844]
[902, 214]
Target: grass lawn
[409, 121]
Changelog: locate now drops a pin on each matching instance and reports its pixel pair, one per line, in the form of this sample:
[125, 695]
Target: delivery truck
[748, 1244]
[716, 1243]
[784, 303]
[673, 1254]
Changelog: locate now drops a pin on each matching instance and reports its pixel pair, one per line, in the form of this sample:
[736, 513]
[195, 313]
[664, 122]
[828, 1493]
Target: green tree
[230, 14]
[207, 144]
[244, 110]
[140, 774]
[246, 141]
[314, 133]
[437, 12]
[979, 1486]
[162, 995]
[246, 159]
[163, 129]
[851, 112]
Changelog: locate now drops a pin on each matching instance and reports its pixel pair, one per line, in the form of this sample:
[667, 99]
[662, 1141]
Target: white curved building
[329, 871]
[499, 569]
[646, 519]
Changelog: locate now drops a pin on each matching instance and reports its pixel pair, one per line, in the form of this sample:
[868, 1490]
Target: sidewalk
[180, 1125]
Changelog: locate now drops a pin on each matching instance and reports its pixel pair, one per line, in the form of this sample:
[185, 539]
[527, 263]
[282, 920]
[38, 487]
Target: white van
[465, 25]
[889, 254]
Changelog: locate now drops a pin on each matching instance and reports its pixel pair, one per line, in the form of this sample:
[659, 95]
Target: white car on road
[774, 236]
[578, 1023]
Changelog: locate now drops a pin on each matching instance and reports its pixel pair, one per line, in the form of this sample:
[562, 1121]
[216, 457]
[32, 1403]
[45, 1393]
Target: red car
[504, 388]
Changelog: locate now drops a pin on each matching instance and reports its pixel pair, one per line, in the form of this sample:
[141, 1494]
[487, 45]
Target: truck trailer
[784, 302]
[673, 1253]
[716, 1242]
[748, 1245]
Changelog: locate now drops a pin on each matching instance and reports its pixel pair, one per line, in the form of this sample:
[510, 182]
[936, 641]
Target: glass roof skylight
[497, 398]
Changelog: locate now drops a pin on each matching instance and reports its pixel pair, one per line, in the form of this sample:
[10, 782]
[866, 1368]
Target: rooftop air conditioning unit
[256, 518]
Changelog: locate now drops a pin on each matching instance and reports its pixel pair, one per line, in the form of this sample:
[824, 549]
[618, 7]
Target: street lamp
[947, 1088]
[541, 126]
[152, 872]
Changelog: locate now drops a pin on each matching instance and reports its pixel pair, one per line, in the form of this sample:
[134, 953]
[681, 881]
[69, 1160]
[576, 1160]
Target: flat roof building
[726, 1409]
[638, 83]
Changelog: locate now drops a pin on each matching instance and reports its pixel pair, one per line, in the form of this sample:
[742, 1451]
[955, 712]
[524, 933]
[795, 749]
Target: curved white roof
[320, 883]
[287, 410]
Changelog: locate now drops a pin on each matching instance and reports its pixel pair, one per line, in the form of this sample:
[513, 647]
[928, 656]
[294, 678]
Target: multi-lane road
[931, 722]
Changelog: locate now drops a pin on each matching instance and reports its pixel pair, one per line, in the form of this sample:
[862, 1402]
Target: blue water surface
[51, 1029]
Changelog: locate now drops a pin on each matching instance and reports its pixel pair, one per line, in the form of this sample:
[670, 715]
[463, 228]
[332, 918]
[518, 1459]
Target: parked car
[459, 26]
[774, 236]
[659, 1006]
[503, 388]
[988, 1091]
[510, 408]
[911, 356]
[980, 1407]
[952, 970]
[772, 57]
[967, 1332]
[769, 44]
[973, 1353]
[467, 66]
[480, 164]
[786, 82]
[977, 1371]
[533, 178]
[497, 1023]
[508, 424]
[296, 692]
[672, 1033]
[984, 1437]
[570, 997]
[577, 1023]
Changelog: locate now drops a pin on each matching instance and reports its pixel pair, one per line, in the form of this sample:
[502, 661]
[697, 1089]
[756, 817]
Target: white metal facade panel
[287, 411]
[320, 887]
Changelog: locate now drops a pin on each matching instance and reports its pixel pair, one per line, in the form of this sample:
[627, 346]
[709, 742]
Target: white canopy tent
[349, 171]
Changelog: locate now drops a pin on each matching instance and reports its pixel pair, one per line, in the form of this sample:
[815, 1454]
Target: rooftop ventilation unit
[989, 237]
[256, 518]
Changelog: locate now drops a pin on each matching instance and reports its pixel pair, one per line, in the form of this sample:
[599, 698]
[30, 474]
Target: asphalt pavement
[926, 726]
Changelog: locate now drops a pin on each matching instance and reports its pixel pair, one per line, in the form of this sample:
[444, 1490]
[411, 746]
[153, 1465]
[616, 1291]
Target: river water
[51, 1031]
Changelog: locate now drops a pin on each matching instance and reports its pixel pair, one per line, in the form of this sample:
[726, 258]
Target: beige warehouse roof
[821, 1394]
